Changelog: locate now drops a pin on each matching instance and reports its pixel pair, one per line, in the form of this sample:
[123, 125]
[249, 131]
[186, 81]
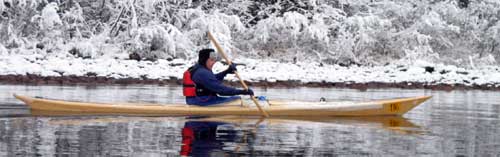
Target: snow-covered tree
[366, 32]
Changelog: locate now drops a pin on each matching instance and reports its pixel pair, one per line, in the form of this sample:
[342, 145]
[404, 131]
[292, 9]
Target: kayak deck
[275, 108]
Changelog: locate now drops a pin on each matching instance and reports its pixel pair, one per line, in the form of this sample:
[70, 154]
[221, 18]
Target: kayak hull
[275, 108]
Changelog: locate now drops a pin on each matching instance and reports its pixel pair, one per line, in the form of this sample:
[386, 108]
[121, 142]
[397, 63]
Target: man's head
[208, 57]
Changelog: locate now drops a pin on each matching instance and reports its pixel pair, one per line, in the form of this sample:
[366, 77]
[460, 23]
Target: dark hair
[203, 56]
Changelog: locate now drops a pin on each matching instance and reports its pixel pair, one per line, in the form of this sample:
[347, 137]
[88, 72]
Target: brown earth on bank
[95, 80]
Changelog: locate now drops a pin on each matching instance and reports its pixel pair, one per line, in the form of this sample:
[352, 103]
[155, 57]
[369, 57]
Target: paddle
[221, 51]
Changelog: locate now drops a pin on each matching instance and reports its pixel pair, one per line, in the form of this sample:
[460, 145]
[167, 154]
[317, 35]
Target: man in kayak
[202, 87]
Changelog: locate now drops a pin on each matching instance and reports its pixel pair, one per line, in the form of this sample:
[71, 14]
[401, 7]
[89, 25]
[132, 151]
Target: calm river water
[456, 123]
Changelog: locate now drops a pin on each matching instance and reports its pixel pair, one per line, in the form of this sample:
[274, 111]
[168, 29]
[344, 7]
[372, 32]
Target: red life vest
[187, 141]
[188, 86]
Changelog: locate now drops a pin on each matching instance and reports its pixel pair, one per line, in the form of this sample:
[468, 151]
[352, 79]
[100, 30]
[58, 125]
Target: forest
[356, 32]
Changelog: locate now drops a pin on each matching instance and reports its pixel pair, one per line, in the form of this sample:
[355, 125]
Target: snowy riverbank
[38, 69]
[300, 41]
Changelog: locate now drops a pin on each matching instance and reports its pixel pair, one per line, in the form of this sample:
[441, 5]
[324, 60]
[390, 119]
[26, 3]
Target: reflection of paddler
[200, 138]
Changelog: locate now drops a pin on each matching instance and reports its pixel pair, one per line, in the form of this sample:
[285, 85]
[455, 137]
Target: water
[457, 123]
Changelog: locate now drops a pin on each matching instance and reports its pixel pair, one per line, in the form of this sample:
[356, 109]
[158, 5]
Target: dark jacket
[210, 84]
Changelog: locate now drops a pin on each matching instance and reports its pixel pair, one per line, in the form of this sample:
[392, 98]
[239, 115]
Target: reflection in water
[202, 138]
[211, 136]
[456, 123]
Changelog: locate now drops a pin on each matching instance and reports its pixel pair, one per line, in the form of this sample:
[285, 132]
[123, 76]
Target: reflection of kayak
[393, 123]
[275, 108]
[385, 121]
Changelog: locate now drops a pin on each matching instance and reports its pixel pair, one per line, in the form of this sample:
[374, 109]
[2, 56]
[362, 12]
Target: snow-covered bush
[223, 27]
[83, 49]
[75, 22]
[3, 50]
[363, 32]
[49, 17]
[276, 36]
[365, 36]
[158, 41]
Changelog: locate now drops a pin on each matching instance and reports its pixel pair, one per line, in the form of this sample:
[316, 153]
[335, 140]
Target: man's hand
[247, 92]
[231, 69]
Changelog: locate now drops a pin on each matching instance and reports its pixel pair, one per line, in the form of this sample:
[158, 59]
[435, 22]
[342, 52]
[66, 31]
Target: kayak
[397, 106]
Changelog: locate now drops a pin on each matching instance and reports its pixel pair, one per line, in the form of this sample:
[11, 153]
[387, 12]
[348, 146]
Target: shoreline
[30, 79]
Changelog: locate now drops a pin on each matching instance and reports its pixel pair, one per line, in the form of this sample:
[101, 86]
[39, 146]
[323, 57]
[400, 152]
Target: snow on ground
[254, 70]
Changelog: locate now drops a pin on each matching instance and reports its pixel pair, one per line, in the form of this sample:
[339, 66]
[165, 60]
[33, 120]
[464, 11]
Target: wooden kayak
[275, 108]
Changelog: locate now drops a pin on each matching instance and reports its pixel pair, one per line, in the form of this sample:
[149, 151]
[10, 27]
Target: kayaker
[202, 87]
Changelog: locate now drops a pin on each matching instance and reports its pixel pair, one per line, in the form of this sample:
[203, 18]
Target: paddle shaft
[221, 51]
